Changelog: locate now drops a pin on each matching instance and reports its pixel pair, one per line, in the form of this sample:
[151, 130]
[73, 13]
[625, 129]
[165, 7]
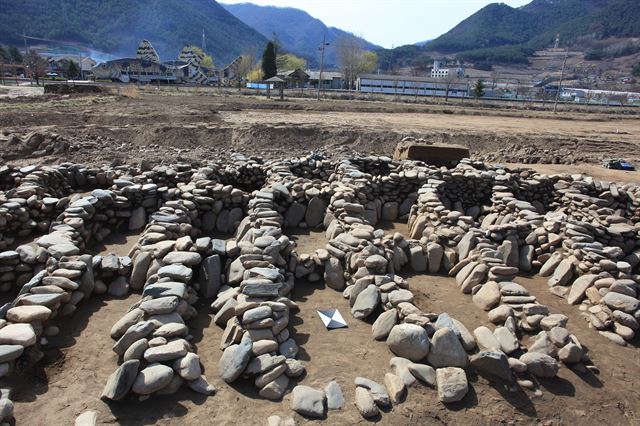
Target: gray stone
[335, 398]
[188, 367]
[168, 352]
[365, 404]
[409, 341]
[424, 373]
[539, 364]
[201, 385]
[334, 274]
[452, 384]
[622, 302]
[234, 360]
[120, 381]
[366, 302]
[308, 401]
[10, 352]
[88, 418]
[275, 389]
[377, 391]
[578, 288]
[488, 297]
[446, 350]
[17, 334]
[152, 379]
[493, 364]
[315, 212]
[384, 323]
[210, 274]
[395, 387]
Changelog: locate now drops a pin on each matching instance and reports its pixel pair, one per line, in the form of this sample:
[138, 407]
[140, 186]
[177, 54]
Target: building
[60, 64]
[438, 71]
[416, 86]
[331, 80]
[294, 79]
[146, 68]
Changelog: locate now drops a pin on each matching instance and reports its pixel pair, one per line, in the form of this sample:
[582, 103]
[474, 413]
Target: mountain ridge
[117, 26]
[296, 30]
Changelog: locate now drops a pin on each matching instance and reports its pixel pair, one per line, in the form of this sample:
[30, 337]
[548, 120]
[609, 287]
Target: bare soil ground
[176, 126]
[171, 128]
[78, 364]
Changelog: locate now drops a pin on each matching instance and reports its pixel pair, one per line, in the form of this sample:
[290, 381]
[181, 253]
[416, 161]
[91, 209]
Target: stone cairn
[480, 224]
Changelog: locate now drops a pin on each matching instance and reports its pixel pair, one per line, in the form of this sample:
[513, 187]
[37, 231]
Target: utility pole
[322, 47]
[564, 65]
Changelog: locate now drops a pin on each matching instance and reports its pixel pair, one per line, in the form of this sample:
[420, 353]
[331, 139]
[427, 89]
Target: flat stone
[176, 272]
[234, 360]
[488, 297]
[366, 302]
[28, 314]
[120, 381]
[172, 350]
[335, 398]
[275, 389]
[17, 334]
[365, 404]
[377, 391]
[152, 379]
[395, 387]
[160, 305]
[10, 352]
[384, 323]
[622, 302]
[187, 258]
[424, 373]
[308, 401]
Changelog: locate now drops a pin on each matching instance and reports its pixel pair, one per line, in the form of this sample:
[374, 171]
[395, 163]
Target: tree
[207, 60]
[4, 55]
[269, 66]
[15, 57]
[449, 80]
[256, 75]
[478, 89]
[36, 65]
[353, 59]
[72, 70]
[368, 63]
[636, 70]
[290, 62]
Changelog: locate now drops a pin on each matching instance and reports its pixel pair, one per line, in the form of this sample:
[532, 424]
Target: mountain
[117, 26]
[296, 30]
[499, 33]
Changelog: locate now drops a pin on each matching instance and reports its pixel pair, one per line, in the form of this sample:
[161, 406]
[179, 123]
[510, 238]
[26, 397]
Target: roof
[275, 79]
[398, 78]
[288, 73]
[326, 75]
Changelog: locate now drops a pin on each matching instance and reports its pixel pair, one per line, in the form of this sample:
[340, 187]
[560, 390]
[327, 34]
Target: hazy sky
[388, 22]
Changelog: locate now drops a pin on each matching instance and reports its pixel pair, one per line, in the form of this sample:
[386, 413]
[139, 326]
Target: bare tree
[450, 80]
[36, 65]
[495, 76]
[245, 66]
[350, 51]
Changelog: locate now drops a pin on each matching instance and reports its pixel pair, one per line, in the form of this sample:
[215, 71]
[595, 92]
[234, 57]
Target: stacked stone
[152, 338]
[314, 166]
[52, 293]
[243, 172]
[253, 307]
[18, 266]
[37, 196]
[112, 273]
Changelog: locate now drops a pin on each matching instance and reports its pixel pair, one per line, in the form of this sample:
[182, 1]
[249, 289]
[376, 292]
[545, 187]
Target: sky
[388, 23]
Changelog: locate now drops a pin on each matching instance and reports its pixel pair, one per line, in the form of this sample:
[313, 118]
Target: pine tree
[269, 67]
[72, 70]
[16, 56]
[478, 89]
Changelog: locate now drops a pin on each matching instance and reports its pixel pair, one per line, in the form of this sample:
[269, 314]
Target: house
[294, 79]
[416, 86]
[60, 65]
[331, 80]
[146, 68]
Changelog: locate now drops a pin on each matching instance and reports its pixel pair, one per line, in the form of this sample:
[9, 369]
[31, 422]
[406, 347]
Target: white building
[439, 72]
[415, 86]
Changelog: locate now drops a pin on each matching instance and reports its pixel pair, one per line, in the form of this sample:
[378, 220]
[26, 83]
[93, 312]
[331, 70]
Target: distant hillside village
[360, 72]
